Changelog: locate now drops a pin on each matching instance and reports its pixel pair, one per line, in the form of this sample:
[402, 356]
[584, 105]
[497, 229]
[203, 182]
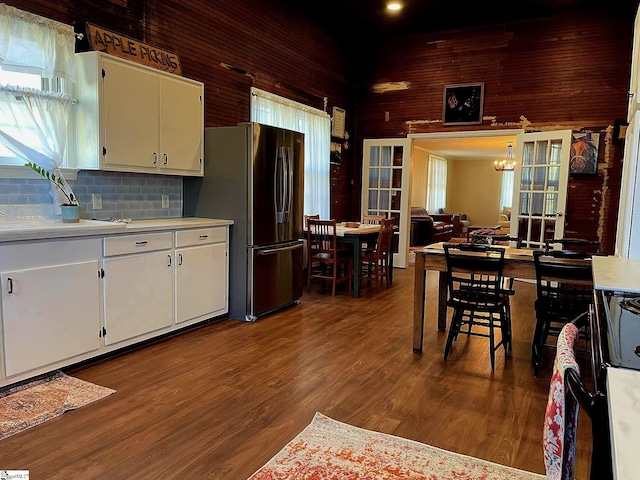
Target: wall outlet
[96, 199]
[165, 201]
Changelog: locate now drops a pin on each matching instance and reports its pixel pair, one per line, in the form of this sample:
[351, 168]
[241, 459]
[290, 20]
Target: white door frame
[511, 132]
[535, 138]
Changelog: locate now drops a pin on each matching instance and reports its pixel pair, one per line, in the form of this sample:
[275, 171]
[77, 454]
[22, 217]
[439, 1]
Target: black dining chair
[476, 293]
[564, 290]
[577, 244]
[568, 393]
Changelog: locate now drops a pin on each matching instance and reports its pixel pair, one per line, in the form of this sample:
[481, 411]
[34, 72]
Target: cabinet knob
[166, 159]
[9, 285]
[155, 158]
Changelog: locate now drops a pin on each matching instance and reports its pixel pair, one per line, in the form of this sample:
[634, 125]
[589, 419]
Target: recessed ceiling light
[394, 6]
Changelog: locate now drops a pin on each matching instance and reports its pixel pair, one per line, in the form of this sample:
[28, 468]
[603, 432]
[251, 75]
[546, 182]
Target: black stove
[616, 329]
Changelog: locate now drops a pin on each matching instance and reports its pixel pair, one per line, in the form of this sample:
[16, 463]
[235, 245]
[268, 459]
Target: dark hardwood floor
[218, 401]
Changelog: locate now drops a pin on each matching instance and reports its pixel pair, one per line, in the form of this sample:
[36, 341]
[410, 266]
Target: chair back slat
[564, 282]
[322, 238]
[574, 244]
[474, 275]
[373, 219]
[325, 258]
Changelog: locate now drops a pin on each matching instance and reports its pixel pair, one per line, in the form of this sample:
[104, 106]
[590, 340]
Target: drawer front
[200, 236]
[145, 242]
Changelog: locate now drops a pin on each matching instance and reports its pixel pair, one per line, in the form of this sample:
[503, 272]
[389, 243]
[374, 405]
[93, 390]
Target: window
[15, 117]
[36, 54]
[506, 195]
[278, 111]
[436, 184]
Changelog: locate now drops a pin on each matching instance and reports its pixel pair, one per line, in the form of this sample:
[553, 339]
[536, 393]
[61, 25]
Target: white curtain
[278, 111]
[34, 127]
[506, 196]
[437, 184]
[33, 123]
[33, 44]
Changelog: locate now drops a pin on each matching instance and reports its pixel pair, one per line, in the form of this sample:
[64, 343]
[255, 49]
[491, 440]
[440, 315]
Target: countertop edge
[48, 232]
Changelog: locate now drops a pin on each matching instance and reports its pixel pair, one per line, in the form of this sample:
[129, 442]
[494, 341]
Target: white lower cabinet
[70, 299]
[201, 273]
[50, 305]
[138, 286]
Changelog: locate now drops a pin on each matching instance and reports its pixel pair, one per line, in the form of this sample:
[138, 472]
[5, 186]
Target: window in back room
[437, 184]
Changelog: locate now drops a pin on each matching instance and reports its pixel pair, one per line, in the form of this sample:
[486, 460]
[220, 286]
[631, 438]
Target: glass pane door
[540, 193]
[385, 185]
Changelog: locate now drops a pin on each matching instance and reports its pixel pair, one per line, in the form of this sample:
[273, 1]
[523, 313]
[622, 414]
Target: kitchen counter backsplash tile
[124, 195]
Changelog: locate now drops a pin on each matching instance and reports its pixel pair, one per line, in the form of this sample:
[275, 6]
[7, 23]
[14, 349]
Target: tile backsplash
[124, 195]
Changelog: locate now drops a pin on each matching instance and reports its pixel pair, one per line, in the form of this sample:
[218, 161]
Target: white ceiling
[468, 148]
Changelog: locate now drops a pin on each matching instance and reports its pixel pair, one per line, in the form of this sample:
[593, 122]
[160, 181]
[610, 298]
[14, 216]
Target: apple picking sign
[124, 47]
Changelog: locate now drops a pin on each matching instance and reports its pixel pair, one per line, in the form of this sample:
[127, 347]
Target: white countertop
[615, 273]
[623, 396]
[11, 231]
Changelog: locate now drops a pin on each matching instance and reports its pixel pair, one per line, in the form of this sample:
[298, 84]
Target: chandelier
[508, 163]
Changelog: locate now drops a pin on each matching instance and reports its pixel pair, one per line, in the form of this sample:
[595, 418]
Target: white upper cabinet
[181, 125]
[134, 118]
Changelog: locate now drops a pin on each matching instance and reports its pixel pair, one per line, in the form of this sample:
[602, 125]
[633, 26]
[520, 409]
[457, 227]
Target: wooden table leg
[442, 301]
[357, 248]
[419, 292]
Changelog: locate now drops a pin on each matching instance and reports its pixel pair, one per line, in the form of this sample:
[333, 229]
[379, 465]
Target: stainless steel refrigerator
[254, 175]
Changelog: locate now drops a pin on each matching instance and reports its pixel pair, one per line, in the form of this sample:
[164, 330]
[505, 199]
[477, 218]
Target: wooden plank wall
[560, 72]
[565, 71]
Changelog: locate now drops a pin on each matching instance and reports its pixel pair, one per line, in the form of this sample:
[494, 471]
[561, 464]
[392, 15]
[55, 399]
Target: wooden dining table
[518, 263]
[356, 236]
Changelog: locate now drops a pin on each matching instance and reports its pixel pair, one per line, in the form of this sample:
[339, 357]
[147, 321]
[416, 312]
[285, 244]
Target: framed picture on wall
[463, 104]
[336, 153]
[583, 157]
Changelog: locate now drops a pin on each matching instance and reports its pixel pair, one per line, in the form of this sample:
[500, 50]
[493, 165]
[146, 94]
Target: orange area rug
[31, 404]
[328, 449]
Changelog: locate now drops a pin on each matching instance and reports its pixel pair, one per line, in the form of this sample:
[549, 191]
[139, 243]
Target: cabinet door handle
[155, 158]
[202, 237]
[179, 259]
[9, 285]
[166, 158]
[168, 260]
[143, 242]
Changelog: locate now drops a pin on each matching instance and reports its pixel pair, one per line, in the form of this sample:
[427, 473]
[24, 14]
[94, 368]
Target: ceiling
[468, 148]
[369, 19]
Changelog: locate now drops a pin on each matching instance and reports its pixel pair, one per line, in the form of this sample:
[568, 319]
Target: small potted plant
[69, 208]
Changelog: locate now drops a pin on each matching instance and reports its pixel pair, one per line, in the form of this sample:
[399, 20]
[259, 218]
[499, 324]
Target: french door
[385, 187]
[540, 189]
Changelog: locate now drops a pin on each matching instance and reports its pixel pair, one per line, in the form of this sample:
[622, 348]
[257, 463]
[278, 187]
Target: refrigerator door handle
[272, 251]
[278, 185]
[289, 185]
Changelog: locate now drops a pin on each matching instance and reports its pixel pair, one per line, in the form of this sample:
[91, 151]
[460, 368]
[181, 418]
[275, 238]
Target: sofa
[427, 229]
[504, 219]
[459, 221]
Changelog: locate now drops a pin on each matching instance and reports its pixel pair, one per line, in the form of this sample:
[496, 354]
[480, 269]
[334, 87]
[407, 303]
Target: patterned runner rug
[328, 449]
[31, 404]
